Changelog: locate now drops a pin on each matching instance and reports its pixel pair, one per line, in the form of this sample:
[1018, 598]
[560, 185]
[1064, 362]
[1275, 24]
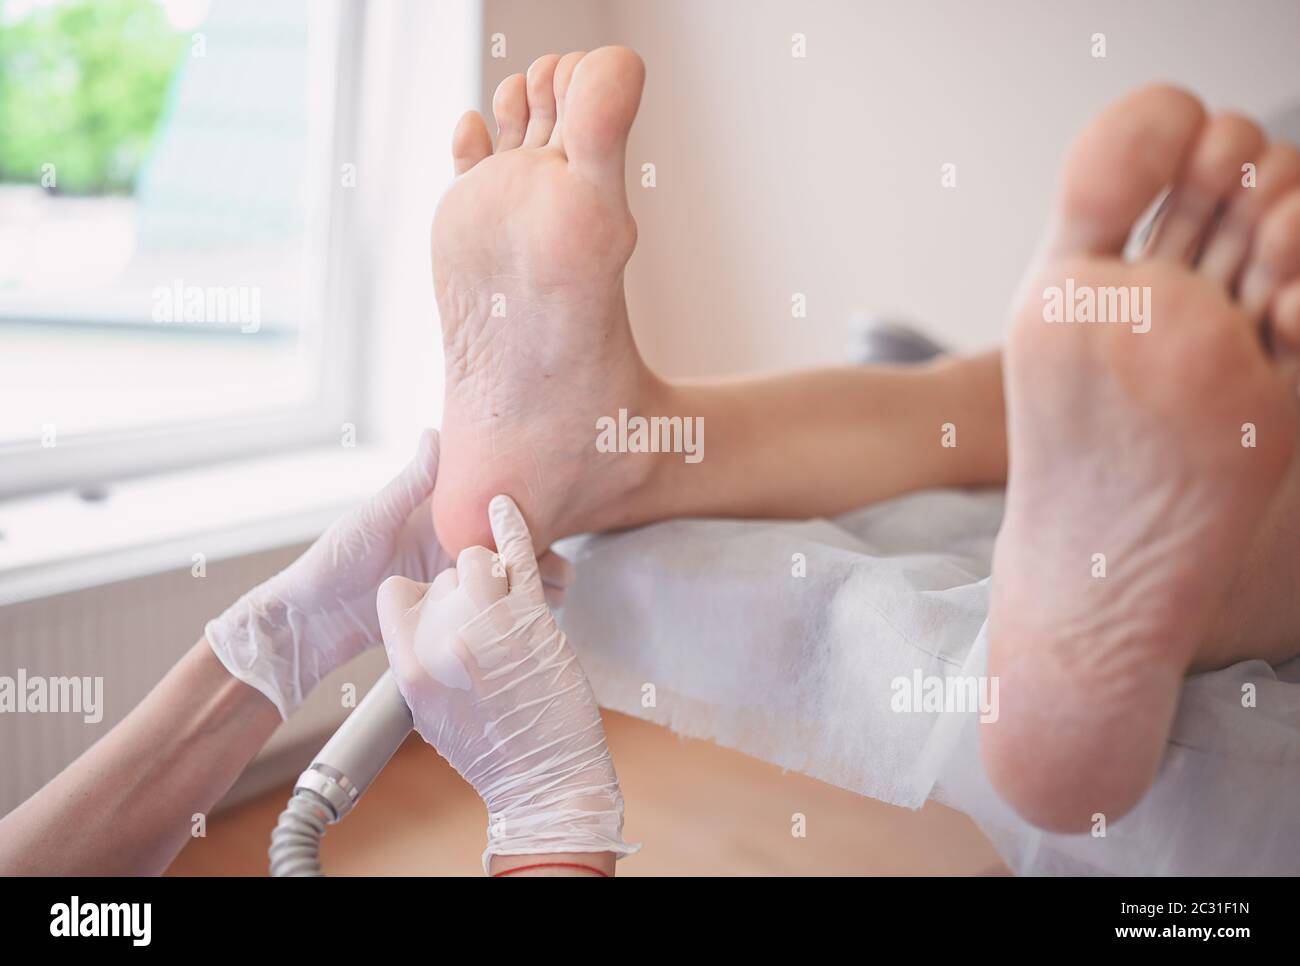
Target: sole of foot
[529, 246]
[1151, 417]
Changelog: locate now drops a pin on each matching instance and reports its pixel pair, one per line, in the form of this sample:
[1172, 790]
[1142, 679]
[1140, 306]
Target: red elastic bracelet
[551, 865]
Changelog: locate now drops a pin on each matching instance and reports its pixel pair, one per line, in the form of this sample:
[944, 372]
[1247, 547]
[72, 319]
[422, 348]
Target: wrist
[252, 640]
[589, 824]
[590, 864]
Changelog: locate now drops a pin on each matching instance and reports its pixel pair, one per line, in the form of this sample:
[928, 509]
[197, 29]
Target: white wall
[821, 175]
[421, 70]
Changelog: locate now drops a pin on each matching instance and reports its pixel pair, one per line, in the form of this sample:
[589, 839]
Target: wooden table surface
[698, 809]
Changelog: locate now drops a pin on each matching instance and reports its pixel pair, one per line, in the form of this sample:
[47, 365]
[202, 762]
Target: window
[172, 189]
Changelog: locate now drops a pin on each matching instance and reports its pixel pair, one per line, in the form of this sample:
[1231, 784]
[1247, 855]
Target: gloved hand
[494, 686]
[284, 636]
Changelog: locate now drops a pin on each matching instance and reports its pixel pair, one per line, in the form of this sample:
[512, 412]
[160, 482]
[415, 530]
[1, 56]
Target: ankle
[627, 482]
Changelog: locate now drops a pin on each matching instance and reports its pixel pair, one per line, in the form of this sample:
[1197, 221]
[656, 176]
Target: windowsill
[58, 542]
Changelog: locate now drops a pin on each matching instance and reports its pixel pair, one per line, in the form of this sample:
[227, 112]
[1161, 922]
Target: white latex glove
[284, 636]
[494, 686]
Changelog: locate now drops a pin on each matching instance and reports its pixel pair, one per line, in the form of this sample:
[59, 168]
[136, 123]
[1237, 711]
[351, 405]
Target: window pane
[155, 259]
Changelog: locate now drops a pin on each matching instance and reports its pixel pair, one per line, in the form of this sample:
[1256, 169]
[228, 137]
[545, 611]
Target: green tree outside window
[83, 85]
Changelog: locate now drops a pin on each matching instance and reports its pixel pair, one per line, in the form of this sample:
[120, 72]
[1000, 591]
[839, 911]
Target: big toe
[1119, 166]
[599, 108]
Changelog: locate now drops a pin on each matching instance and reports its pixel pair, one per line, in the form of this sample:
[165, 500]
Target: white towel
[788, 641]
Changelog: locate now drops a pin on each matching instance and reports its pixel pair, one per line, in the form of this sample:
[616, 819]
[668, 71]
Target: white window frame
[332, 299]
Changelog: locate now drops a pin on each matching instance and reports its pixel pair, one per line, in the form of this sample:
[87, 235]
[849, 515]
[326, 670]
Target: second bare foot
[1145, 447]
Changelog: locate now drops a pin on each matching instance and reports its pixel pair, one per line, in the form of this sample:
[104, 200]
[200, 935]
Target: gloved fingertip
[507, 523]
[482, 575]
[397, 595]
[445, 583]
[393, 583]
[501, 509]
[475, 556]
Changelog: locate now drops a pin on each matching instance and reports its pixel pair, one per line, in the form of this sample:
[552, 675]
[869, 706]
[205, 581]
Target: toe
[600, 106]
[541, 100]
[563, 77]
[470, 143]
[1274, 259]
[1285, 315]
[510, 107]
[1210, 181]
[1277, 172]
[1120, 164]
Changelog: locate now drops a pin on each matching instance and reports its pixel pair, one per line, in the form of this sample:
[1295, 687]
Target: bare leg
[822, 442]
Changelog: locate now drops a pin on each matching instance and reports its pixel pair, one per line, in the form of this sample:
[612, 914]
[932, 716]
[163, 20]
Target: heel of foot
[1064, 752]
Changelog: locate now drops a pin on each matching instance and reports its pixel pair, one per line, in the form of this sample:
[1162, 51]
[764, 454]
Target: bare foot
[1134, 491]
[529, 246]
